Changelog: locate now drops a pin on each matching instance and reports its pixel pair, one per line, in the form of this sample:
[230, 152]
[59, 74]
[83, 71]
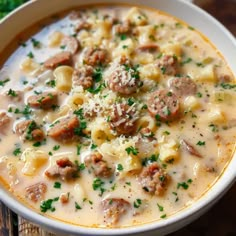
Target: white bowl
[36, 10]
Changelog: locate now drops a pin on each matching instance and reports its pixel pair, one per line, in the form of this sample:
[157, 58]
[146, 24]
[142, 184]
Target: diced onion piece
[172, 49]
[191, 103]
[215, 115]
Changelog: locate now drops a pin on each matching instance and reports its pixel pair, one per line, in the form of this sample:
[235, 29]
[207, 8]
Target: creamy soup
[114, 116]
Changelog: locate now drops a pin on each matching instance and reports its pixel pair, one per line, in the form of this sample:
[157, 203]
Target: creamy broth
[114, 116]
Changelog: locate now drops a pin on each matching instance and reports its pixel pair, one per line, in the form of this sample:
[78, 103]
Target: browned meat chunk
[225, 79]
[22, 126]
[150, 47]
[83, 77]
[183, 86]
[168, 65]
[114, 209]
[124, 79]
[37, 135]
[123, 118]
[71, 44]
[61, 58]
[64, 169]
[29, 130]
[96, 56]
[82, 25]
[164, 105]
[36, 191]
[64, 129]
[64, 198]
[154, 179]
[190, 149]
[123, 28]
[98, 166]
[44, 100]
[4, 119]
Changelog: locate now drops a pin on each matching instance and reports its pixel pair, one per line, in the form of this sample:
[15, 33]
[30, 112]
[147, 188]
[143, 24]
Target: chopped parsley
[123, 36]
[47, 205]
[157, 117]
[51, 83]
[78, 149]
[199, 94]
[79, 113]
[166, 132]
[36, 43]
[200, 64]
[163, 216]
[189, 181]
[120, 167]
[161, 208]
[228, 86]
[176, 195]
[17, 152]
[97, 74]
[77, 206]
[32, 126]
[132, 150]
[184, 185]
[137, 203]
[130, 101]
[144, 107]
[113, 187]
[93, 146]
[98, 185]
[96, 90]
[124, 46]
[37, 144]
[26, 111]
[57, 185]
[30, 55]
[151, 159]
[178, 25]
[201, 143]
[79, 166]
[159, 55]
[3, 82]
[214, 128]
[12, 93]
[191, 28]
[79, 131]
[163, 70]
[56, 147]
[186, 61]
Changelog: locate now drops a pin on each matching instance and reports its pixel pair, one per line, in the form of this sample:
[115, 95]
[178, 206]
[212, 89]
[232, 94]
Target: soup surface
[114, 116]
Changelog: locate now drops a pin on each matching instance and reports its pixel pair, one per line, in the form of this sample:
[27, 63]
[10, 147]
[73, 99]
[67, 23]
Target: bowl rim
[181, 218]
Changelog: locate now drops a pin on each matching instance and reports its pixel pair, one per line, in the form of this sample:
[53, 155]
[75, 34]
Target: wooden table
[219, 221]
